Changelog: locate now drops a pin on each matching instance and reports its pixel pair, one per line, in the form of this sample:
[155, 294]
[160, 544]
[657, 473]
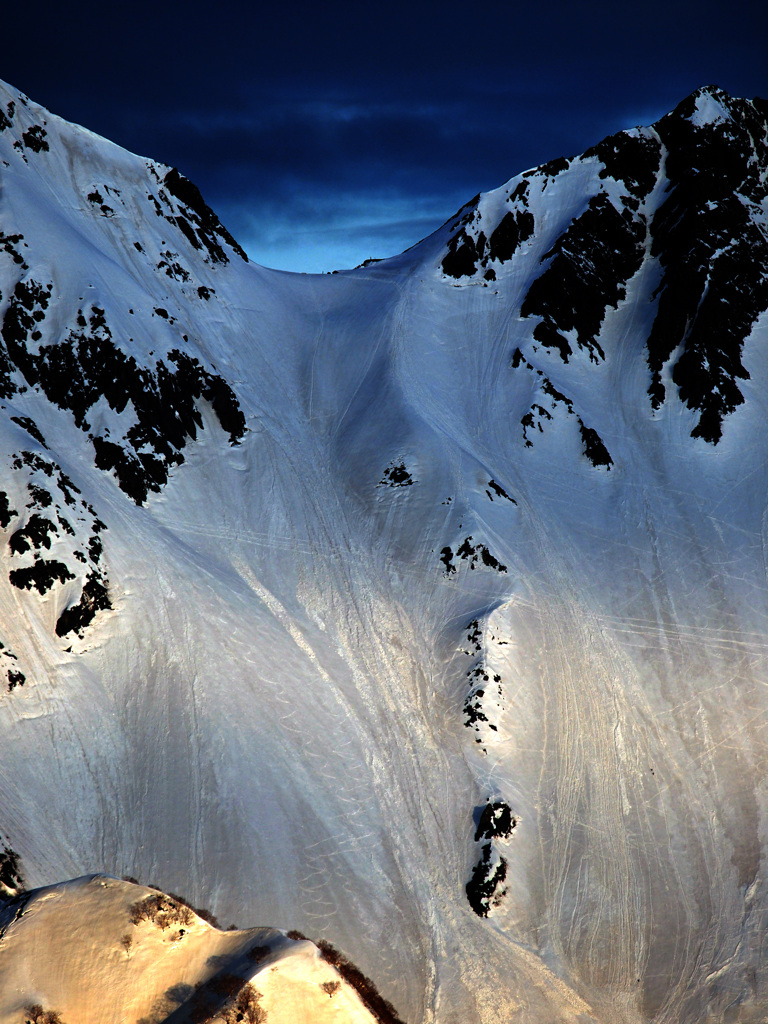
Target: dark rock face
[11, 880]
[598, 253]
[15, 678]
[94, 598]
[41, 575]
[499, 491]
[55, 519]
[549, 400]
[26, 310]
[551, 169]
[35, 139]
[446, 557]
[594, 449]
[6, 116]
[713, 255]
[631, 158]
[591, 264]
[87, 365]
[483, 701]
[180, 205]
[396, 475]
[478, 554]
[10, 245]
[513, 229]
[485, 888]
[31, 428]
[6, 512]
[197, 221]
[9, 663]
[467, 252]
[475, 555]
[496, 821]
[33, 535]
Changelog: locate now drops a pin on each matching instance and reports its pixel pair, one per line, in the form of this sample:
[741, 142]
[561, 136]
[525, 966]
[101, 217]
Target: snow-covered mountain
[97, 949]
[421, 608]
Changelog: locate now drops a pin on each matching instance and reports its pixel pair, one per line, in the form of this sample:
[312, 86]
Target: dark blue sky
[326, 133]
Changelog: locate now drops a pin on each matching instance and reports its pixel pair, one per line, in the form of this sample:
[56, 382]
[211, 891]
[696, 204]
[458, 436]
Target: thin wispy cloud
[328, 232]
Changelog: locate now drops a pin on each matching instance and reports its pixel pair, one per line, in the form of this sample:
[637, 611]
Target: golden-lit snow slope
[100, 951]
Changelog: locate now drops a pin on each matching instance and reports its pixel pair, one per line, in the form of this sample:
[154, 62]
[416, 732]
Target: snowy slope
[420, 607]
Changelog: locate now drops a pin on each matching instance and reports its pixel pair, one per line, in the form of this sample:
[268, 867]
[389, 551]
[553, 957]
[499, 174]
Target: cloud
[323, 231]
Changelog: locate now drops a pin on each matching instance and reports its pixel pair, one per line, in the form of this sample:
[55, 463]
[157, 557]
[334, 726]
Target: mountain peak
[123, 951]
[710, 106]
